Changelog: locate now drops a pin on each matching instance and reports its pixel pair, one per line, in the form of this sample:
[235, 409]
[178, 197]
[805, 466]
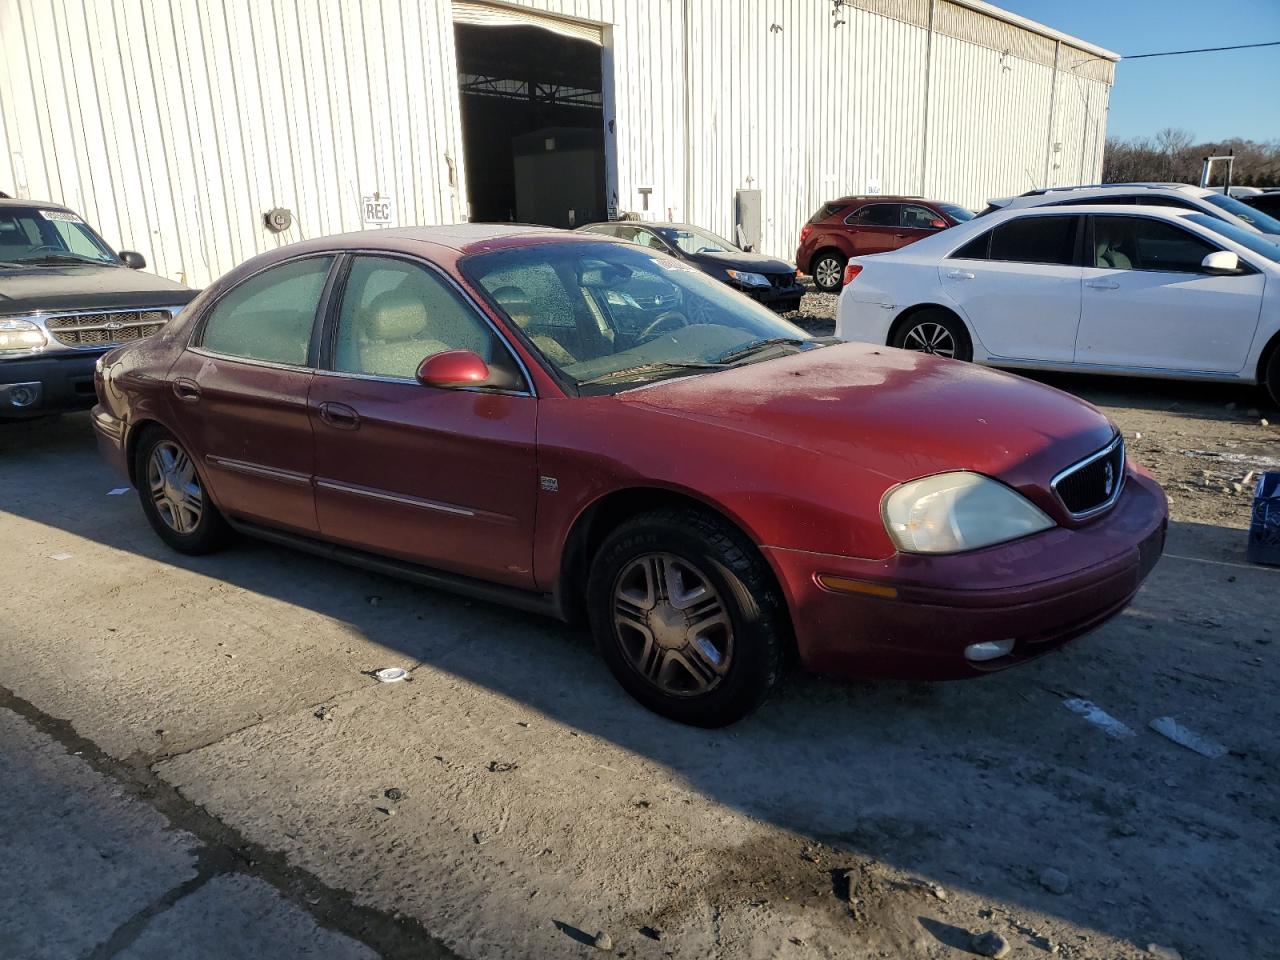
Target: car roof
[881, 197]
[42, 204]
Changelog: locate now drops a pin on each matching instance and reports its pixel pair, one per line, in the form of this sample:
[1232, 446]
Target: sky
[1211, 95]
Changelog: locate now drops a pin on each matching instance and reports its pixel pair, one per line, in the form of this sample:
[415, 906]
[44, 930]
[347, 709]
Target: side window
[269, 316]
[975, 249]
[918, 218]
[395, 314]
[1035, 240]
[875, 215]
[1139, 243]
[1166, 201]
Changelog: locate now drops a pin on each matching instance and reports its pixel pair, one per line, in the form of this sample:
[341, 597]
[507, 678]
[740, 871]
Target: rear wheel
[1271, 375]
[174, 497]
[687, 617]
[828, 270]
[938, 332]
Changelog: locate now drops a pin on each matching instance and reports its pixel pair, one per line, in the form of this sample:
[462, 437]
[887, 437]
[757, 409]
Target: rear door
[875, 228]
[239, 393]
[1019, 286]
[1148, 303]
[441, 477]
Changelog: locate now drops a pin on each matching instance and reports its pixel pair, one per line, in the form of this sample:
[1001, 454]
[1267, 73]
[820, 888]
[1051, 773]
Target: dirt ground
[535, 805]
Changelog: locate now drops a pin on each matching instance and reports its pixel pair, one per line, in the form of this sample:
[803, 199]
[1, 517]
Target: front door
[1019, 287]
[442, 477]
[1148, 303]
[239, 394]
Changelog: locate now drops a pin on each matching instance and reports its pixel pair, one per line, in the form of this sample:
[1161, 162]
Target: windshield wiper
[651, 368]
[62, 258]
[755, 346]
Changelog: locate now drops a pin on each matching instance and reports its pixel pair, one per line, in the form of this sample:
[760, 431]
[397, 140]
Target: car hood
[755, 262]
[899, 414]
[73, 286]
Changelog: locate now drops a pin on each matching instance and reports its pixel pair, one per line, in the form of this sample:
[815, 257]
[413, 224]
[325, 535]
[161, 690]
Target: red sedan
[586, 428]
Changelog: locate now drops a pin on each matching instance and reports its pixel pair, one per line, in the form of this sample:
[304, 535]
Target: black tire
[828, 270]
[918, 333]
[1271, 375]
[743, 586]
[205, 534]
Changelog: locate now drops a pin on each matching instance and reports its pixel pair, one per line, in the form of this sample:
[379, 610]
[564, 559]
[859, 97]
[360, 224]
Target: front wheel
[174, 497]
[937, 332]
[687, 617]
[1271, 376]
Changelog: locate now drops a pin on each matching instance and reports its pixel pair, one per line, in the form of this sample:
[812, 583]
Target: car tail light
[805, 231]
[850, 272]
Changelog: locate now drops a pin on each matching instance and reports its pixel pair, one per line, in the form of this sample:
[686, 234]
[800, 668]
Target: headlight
[748, 279]
[952, 512]
[20, 336]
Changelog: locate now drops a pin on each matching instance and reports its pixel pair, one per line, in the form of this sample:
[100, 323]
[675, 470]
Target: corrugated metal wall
[174, 124]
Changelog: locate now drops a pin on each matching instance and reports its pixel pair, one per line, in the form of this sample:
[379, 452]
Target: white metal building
[175, 125]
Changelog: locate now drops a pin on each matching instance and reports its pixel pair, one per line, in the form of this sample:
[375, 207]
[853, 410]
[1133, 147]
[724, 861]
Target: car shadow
[981, 784]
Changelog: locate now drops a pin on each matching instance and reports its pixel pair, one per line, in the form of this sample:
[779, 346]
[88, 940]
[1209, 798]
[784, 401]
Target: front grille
[1094, 483]
[106, 329]
[781, 280]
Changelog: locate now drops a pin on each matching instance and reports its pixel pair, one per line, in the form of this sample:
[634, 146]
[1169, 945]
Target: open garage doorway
[532, 123]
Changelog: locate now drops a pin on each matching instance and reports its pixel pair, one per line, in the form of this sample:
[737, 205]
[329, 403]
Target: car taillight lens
[805, 231]
[850, 271]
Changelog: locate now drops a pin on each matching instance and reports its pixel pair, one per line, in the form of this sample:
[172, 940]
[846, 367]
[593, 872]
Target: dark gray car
[770, 281]
[65, 299]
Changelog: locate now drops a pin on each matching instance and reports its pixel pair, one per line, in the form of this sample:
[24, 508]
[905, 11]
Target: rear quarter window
[828, 210]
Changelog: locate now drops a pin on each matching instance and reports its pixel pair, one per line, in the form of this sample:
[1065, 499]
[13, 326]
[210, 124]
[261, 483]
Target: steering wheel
[674, 318]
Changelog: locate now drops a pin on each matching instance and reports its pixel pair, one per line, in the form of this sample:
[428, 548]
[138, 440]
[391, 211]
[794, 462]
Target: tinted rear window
[1035, 240]
[828, 210]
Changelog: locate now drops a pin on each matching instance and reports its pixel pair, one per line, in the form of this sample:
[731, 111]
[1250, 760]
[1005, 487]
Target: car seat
[1107, 252]
[520, 309]
[389, 337]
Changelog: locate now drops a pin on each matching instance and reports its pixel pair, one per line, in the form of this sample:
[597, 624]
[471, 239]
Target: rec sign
[375, 209]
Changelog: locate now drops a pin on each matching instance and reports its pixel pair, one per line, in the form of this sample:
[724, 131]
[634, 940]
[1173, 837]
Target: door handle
[339, 415]
[959, 275]
[901, 236]
[1102, 284]
[188, 391]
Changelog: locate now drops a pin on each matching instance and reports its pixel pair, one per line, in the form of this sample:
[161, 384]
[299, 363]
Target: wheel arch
[616, 507]
[829, 246]
[1264, 358]
[133, 436]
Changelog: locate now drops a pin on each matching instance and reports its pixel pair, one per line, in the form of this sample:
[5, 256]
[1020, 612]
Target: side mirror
[938, 224]
[453, 369]
[133, 260]
[1221, 263]
[749, 248]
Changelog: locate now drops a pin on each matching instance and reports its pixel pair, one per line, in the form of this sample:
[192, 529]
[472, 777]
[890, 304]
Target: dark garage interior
[532, 125]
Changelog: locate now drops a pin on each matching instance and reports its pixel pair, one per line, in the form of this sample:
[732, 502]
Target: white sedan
[1146, 291]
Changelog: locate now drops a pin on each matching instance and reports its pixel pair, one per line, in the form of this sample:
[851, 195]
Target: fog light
[988, 650]
[22, 396]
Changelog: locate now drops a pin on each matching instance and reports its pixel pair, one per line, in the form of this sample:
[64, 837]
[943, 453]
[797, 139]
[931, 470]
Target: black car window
[1164, 200]
[395, 314]
[1140, 243]
[975, 249]
[1035, 240]
[916, 217]
[876, 215]
[1117, 201]
[269, 316]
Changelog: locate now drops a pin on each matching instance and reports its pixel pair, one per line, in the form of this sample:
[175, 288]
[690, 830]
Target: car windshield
[694, 240]
[39, 235]
[956, 212]
[1250, 215]
[612, 314]
[1259, 244]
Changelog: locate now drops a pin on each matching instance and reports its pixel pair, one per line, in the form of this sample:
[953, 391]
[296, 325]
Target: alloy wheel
[827, 272]
[930, 338]
[671, 624]
[175, 487]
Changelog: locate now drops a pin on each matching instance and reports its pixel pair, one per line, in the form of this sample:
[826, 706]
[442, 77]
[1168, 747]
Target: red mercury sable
[587, 428]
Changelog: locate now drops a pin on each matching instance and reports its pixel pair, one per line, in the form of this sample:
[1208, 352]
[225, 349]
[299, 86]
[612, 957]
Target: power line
[1178, 53]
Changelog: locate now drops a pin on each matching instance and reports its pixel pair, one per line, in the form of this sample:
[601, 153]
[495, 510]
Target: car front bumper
[913, 616]
[32, 386]
[778, 299]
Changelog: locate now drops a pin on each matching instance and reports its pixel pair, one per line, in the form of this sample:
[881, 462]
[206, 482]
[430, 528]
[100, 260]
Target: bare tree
[1173, 156]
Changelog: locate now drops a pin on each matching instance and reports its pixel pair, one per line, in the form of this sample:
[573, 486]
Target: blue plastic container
[1264, 531]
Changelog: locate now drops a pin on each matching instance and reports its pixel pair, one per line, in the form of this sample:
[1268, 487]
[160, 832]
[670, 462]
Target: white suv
[1179, 195]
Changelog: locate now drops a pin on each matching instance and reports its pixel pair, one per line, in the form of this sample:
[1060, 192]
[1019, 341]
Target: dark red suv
[857, 226]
